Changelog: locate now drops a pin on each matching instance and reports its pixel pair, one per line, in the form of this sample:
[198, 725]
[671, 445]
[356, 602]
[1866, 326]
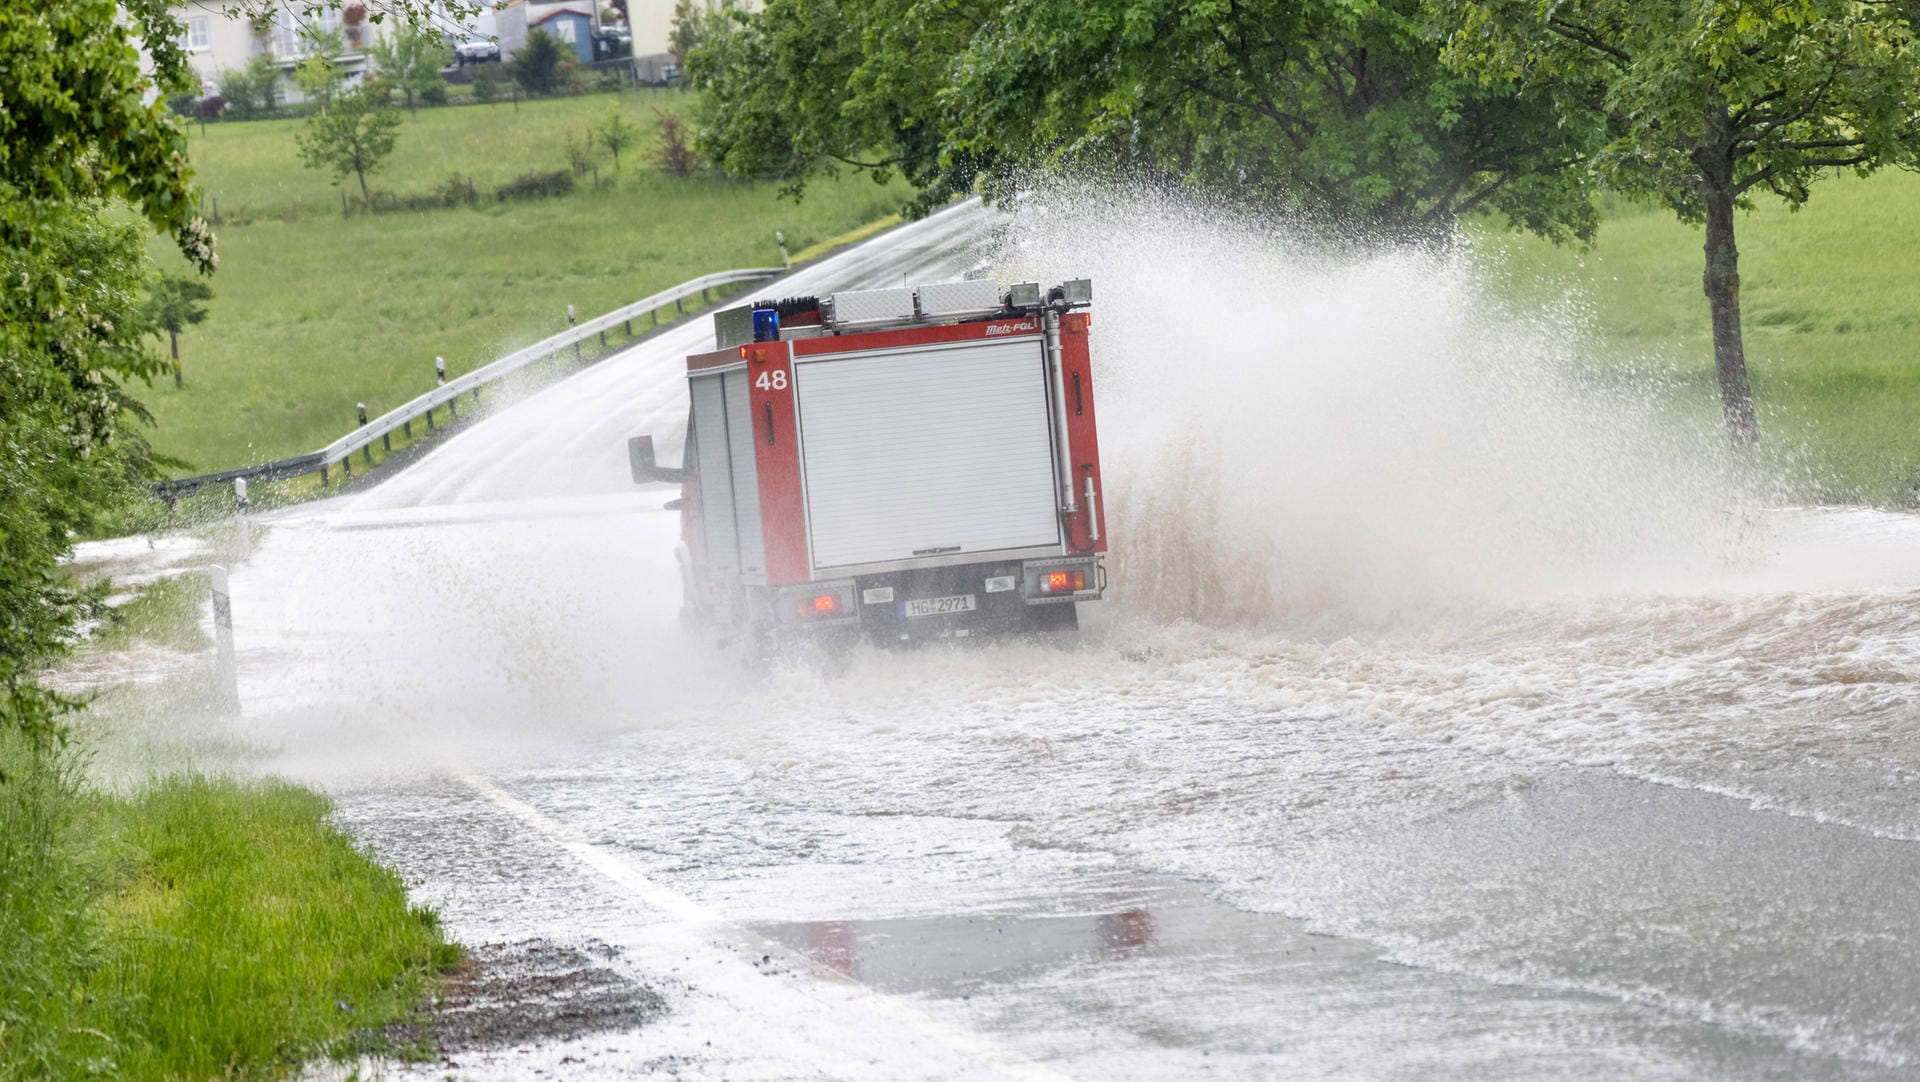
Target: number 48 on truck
[898, 463]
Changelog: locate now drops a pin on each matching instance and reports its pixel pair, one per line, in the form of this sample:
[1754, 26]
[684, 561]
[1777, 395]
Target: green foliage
[50, 936]
[409, 61]
[616, 133]
[352, 138]
[79, 124]
[536, 67]
[71, 334]
[198, 928]
[242, 920]
[252, 91]
[1338, 108]
[1723, 92]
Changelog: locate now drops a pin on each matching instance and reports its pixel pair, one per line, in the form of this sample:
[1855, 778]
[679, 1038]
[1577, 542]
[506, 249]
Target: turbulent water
[1426, 635]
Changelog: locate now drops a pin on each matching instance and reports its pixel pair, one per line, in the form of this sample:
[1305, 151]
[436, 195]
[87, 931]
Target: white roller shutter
[915, 453]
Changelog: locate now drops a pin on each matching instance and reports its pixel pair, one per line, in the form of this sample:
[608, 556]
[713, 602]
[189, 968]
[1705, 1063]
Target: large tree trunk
[1722, 285]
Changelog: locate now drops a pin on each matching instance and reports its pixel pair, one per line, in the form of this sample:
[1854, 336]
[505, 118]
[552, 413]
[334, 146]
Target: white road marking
[703, 922]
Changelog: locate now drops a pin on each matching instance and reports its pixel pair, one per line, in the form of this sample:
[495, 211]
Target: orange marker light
[824, 603]
[1056, 580]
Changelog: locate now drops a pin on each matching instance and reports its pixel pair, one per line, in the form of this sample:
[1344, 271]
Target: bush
[675, 155]
[181, 105]
[434, 93]
[536, 185]
[210, 106]
[536, 67]
[252, 91]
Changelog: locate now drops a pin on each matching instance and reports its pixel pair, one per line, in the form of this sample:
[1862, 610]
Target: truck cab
[896, 464]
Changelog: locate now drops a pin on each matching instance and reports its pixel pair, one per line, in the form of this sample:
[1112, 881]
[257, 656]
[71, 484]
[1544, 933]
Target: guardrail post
[429, 418]
[324, 477]
[226, 683]
[781, 239]
[576, 342]
[242, 534]
[453, 408]
[407, 427]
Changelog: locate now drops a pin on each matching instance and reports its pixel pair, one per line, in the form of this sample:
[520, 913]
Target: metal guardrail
[340, 452]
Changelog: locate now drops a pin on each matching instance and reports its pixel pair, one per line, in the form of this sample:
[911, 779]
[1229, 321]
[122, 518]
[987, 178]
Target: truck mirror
[645, 469]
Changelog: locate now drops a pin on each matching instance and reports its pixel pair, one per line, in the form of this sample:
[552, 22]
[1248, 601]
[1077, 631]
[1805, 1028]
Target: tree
[536, 67]
[82, 125]
[616, 133]
[409, 61]
[317, 76]
[1707, 103]
[353, 137]
[173, 304]
[1336, 108]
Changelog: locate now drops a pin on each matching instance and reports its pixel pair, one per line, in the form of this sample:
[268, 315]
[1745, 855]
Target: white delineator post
[226, 674]
[242, 534]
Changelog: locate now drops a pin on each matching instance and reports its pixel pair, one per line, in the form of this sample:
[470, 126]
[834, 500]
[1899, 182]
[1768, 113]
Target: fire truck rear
[903, 463]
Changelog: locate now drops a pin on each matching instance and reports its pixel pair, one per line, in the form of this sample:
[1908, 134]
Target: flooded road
[1437, 728]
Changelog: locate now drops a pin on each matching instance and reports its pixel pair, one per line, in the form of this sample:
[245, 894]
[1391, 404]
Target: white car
[473, 49]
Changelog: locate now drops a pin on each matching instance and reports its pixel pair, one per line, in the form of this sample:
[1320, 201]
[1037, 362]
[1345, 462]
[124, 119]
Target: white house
[216, 43]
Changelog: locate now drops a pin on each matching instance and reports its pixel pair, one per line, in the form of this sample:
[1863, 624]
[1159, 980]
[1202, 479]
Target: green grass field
[1832, 315]
[192, 927]
[314, 313]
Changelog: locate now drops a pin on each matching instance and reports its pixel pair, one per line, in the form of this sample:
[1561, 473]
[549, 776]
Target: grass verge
[194, 927]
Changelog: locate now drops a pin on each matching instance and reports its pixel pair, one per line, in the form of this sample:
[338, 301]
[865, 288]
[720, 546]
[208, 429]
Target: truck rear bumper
[945, 602]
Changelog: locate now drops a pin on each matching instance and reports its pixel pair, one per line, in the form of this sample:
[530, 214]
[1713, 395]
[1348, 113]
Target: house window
[196, 36]
[564, 30]
[288, 41]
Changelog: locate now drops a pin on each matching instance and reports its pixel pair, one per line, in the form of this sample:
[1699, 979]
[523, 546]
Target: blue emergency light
[766, 325]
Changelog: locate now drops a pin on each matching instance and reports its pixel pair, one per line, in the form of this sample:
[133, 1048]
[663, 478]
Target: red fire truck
[901, 463]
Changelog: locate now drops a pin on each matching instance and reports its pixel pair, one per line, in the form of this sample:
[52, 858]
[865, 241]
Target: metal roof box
[867, 307]
[958, 300]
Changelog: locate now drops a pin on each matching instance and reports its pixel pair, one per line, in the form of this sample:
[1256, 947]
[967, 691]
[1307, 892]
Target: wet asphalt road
[1645, 832]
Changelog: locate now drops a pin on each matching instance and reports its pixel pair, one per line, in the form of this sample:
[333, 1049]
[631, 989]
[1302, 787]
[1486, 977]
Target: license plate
[937, 606]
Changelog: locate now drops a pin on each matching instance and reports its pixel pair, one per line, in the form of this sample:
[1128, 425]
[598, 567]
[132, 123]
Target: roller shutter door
[908, 454]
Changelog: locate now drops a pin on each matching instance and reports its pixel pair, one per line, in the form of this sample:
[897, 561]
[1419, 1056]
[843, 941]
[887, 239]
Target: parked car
[474, 50]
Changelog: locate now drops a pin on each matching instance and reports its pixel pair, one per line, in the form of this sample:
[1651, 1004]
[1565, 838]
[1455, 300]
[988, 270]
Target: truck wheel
[1044, 619]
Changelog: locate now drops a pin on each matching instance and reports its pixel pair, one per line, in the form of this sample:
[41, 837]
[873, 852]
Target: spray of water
[1293, 431]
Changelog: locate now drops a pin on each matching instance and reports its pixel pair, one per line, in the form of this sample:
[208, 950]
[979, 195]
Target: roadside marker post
[780, 238]
[226, 673]
[242, 534]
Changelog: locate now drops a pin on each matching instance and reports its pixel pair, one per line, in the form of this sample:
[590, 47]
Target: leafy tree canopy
[536, 67]
[1341, 108]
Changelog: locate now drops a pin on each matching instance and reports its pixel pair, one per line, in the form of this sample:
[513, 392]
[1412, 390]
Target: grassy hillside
[314, 313]
[1832, 312]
